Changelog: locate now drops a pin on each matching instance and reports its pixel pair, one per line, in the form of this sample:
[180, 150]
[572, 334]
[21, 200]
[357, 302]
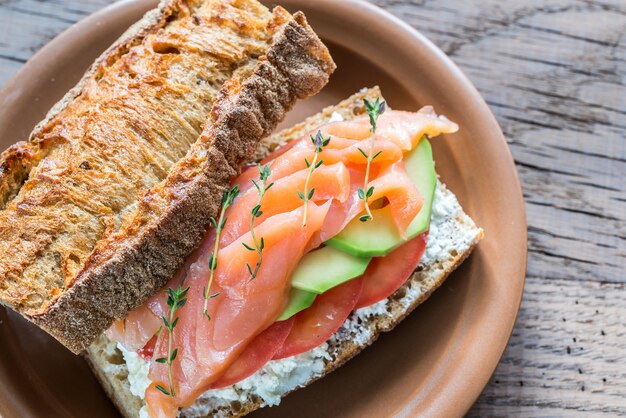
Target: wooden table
[554, 74]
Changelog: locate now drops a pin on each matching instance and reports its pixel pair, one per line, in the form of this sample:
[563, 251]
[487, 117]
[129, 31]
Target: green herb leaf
[162, 389]
[227, 200]
[374, 109]
[249, 248]
[264, 172]
[319, 142]
[212, 263]
[176, 299]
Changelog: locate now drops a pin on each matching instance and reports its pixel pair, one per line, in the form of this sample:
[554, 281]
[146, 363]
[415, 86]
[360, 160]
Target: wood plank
[565, 357]
[27, 25]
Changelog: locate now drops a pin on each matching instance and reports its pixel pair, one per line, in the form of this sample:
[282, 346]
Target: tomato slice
[256, 354]
[317, 323]
[385, 275]
[148, 350]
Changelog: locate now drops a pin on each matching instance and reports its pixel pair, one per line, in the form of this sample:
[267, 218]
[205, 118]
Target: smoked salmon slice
[329, 182]
[136, 329]
[405, 202]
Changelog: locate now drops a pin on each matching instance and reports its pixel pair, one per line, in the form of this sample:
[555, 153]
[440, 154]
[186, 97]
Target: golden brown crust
[126, 242]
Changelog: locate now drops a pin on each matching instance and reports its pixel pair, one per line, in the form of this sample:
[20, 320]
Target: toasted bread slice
[452, 237]
[117, 185]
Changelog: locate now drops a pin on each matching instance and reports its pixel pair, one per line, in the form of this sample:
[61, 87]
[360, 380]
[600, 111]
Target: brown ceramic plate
[439, 359]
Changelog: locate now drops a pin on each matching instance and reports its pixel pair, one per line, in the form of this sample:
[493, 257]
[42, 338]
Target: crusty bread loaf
[116, 186]
[452, 237]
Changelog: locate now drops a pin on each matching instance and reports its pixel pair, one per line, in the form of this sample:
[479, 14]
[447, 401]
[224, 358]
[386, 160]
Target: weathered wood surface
[554, 74]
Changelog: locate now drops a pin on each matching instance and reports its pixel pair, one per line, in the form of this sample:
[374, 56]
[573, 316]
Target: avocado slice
[299, 300]
[326, 268]
[380, 236]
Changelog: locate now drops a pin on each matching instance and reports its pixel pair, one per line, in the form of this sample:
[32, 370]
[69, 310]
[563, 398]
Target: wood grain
[554, 74]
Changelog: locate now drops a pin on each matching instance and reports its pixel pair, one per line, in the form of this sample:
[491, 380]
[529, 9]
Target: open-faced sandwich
[206, 267]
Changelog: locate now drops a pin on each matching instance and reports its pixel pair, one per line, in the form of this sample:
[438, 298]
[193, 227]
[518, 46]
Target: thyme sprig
[176, 299]
[227, 199]
[320, 142]
[374, 110]
[259, 244]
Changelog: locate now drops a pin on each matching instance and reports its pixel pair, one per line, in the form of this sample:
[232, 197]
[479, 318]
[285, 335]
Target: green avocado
[299, 300]
[326, 268]
[380, 236]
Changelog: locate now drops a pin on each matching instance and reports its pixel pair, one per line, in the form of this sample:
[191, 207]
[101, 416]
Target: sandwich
[207, 268]
[366, 278]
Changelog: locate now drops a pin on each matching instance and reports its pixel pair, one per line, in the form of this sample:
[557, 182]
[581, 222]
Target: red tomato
[148, 350]
[317, 323]
[256, 354]
[385, 275]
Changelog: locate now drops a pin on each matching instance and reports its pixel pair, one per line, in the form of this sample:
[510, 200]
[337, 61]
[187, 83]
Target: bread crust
[131, 264]
[341, 346]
